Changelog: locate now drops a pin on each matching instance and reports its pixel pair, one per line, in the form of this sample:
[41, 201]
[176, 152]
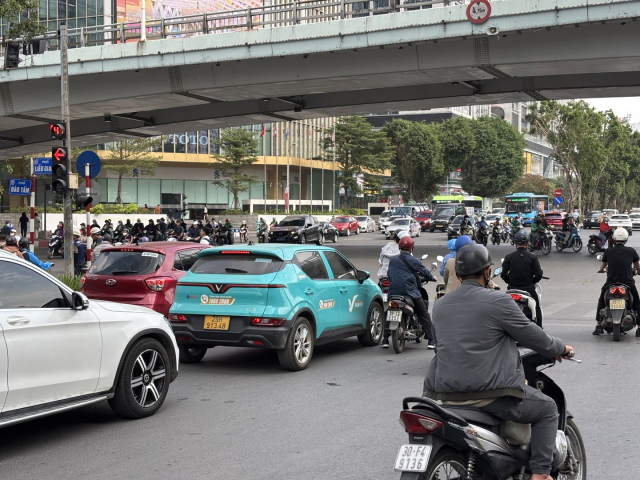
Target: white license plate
[394, 315]
[617, 304]
[413, 458]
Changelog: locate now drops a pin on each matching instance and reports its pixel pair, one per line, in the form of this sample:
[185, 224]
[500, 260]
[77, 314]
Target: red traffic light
[59, 154]
[58, 131]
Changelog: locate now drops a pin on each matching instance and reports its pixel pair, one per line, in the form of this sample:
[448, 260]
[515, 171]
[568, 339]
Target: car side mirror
[497, 271]
[309, 225]
[79, 301]
[362, 275]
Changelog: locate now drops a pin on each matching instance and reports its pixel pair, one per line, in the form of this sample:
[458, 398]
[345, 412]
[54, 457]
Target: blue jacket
[80, 256]
[444, 261]
[30, 257]
[402, 281]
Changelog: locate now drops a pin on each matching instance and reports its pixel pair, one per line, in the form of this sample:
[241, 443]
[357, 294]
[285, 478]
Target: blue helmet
[451, 244]
[462, 241]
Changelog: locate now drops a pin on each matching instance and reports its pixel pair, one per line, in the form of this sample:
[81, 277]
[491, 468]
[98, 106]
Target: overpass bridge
[271, 67]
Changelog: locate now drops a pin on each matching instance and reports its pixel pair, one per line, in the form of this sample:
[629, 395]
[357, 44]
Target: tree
[359, 150]
[418, 159]
[530, 182]
[497, 160]
[13, 13]
[139, 153]
[239, 149]
[458, 141]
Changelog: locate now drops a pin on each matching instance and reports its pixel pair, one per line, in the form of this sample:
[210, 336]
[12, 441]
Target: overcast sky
[621, 106]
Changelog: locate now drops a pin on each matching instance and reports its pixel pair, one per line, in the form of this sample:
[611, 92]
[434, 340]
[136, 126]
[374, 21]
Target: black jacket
[521, 269]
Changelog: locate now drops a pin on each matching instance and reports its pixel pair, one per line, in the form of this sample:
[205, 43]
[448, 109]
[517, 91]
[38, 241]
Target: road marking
[590, 314]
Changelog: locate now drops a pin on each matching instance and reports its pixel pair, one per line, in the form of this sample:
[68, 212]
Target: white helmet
[620, 235]
[95, 230]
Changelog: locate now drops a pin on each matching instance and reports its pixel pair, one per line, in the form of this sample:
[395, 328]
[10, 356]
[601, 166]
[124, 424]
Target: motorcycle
[544, 242]
[263, 235]
[244, 234]
[575, 242]
[525, 301]
[401, 319]
[447, 441]
[55, 244]
[506, 233]
[482, 235]
[618, 316]
[595, 243]
[383, 283]
[496, 235]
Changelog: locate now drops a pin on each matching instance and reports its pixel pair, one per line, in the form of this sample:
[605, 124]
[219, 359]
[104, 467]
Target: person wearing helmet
[478, 363]
[451, 245]
[228, 228]
[449, 275]
[30, 257]
[79, 253]
[466, 225]
[538, 225]
[403, 274]
[619, 258]
[389, 251]
[126, 236]
[101, 243]
[521, 270]
[11, 246]
[605, 233]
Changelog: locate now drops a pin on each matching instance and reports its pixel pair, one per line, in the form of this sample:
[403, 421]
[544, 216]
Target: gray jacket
[477, 358]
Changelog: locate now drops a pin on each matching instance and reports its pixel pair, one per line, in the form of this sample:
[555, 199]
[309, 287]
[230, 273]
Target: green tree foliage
[13, 13]
[239, 149]
[418, 160]
[497, 160]
[360, 151]
[140, 153]
[458, 140]
[530, 182]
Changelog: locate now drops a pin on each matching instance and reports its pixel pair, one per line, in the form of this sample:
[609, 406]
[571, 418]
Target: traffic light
[12, 55]
[58, 131]
[83, 200]
[60, 169]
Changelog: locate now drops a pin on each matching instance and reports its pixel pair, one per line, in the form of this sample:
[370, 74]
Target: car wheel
[335, 238]
[320, 239]
[431, 230]
[191, 353]
[348, 232]
[144, 380]
[374, 326]
[303, 239]
[418, 233]
[298, 350]
[358, 231]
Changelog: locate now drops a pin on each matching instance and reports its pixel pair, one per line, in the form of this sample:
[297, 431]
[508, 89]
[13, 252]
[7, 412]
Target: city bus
[466, 200]
[528, 204]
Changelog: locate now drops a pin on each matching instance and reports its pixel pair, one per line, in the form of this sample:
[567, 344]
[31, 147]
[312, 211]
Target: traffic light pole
[68, 209]
[87, 180]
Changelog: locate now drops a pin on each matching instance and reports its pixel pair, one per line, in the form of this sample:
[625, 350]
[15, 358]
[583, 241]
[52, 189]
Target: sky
[622, 106]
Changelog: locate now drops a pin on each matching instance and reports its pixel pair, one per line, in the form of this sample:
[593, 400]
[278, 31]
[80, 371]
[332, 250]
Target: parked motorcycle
[617, 316]
[544, 243]
[595, 243]
[575, 242]
[463, 442]
[55, 244]
[401, 319]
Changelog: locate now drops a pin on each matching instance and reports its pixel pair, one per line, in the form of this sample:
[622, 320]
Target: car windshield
[120, 262]
[457, 220]
[635, 215]
[424, 215]
[401, 222]
[291, 222]
[402, 211]
[341, 220]
[237, 264]
[620, 217]
[554, 215]
[385, 214]
[361, 219]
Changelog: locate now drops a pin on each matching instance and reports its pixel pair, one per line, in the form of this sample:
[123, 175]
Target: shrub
[131, 208]
[98, 209]
[71, 281]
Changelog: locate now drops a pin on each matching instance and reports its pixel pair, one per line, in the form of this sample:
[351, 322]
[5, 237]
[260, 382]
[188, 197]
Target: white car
[407, 224]
[383, 216]
[491, 218]
[366, 224]
[388, 221]
[620, 220]
[635, 219]
[60, 351]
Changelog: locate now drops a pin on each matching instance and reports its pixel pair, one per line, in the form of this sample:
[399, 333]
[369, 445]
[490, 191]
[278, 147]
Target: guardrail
[294, 13]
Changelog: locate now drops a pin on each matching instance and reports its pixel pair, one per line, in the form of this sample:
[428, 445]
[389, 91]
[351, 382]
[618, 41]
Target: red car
[346, 225]
[144, 275]
[424, 219]
[555, 218]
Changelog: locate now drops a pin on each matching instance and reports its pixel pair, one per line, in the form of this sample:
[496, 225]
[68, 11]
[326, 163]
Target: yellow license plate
[617, 304]
[216, 322]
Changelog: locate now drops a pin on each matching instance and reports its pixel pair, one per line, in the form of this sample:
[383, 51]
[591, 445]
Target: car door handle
[309, 291]
[344, 289]
[17, 321]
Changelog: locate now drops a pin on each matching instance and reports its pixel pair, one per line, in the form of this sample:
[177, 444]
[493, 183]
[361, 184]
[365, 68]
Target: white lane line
[556, 307]
[590, 314]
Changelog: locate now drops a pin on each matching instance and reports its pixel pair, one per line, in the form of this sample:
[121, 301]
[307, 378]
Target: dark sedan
[330, 232]
[297, 229]
[591, 220]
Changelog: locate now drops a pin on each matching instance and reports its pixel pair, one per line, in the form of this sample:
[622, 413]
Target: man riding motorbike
[403, 280]
[478, 362]
[521, 270]
[538, 225]
[466, 227]
[619, 259]
[451, 245]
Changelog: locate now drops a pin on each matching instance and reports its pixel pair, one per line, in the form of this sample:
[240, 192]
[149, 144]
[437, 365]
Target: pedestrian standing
[157, 209]
[206, 213]
[79, 257]
[36, 225]
[24, 224]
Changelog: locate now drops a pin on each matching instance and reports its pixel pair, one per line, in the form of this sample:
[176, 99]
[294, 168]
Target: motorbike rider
[30, 257]
[495, 231]
[482, 226]
[103, 242]
[451, 245]
[403, 280]
[126, 236]
[478, 363]
[138, 228]
[79, 254]
[619, 259]
[605, 232]
[193, 230]
[465, 225]
[538, 225]
[243, 228]
[389, 251]
[521, 270]
[162, 229]
[11, 246]
[152, 230]
[118, 230]
[228, 228]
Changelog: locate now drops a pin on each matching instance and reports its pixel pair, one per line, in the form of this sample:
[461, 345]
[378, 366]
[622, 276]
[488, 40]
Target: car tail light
[158, 284]
[235, 252]
[516, 296]
[268, 322]
[83, 280]
[254, 342]
[177, 318]
[417, 424]
[618, 291]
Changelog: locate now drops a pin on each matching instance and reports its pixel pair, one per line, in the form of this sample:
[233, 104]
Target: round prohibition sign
[478, 11]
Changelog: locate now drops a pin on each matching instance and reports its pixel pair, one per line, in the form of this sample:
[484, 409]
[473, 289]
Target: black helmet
[521, 238]
[107, 238]
[11, 240]
[23, 243]
[472, 259]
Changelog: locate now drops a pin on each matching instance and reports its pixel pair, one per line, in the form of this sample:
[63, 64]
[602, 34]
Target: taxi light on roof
[235, 252]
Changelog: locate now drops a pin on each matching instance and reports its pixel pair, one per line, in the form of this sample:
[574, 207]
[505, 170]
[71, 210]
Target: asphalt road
[237, 415]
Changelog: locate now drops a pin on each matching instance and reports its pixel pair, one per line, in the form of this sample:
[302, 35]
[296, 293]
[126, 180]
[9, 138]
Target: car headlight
[293, 232]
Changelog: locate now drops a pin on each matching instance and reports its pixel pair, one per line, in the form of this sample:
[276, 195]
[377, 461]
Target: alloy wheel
[302, 344]
[376, 324]
[148, 378]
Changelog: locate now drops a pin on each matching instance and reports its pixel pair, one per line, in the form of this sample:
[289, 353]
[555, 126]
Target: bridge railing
[292, 13]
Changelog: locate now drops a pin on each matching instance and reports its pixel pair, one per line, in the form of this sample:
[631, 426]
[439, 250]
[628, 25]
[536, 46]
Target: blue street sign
[19, 187]
[42, 166]
[92, 159]
[557, 200]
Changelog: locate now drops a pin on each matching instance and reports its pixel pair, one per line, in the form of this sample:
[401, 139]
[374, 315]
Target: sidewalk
[58, 268]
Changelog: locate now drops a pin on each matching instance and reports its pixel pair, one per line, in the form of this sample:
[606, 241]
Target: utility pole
[68, 210]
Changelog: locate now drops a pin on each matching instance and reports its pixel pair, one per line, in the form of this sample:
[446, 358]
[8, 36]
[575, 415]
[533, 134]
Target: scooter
[496, 235]
[506, 233]
[440, 286]
[617, 316]
[525, 301]
[544, 242]
[56, 243]
[595, 243]
[575, 242]
[244, 234]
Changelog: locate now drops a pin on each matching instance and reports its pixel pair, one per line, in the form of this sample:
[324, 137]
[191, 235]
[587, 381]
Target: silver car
[385, 222]
[366, 224]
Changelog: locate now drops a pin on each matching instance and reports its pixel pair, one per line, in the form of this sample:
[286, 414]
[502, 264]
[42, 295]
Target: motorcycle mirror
[497, 272]
[440, 258]
[424, 257]
[599, 257]
[435, 264]
[502, 260]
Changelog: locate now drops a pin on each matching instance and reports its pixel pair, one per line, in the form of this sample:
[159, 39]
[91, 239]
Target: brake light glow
[177, 318]
[384, 283]
[157, 284]
[516, 296]
[235, 252]
[417, 424]
[126, 250]
[268, 322]
[618, 291]
[394, 304]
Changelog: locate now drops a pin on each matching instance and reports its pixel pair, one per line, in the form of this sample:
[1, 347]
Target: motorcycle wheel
[592, 248]
[559, 246]
[398, 338]
[447, 464]
[546, 247]
[260, 239]
[49, 254]
[484, 241]
[616, 332]
[498, 241]
[577, 448]
[577, 245]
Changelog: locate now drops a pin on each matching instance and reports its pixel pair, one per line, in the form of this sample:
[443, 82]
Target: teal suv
[287, 298]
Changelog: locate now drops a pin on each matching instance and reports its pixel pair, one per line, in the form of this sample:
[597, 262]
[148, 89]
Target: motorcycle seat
[400, 298]
[475, 415]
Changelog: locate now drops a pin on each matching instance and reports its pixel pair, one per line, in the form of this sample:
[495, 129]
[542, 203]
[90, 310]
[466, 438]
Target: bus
[528, 204]
[466, 200]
